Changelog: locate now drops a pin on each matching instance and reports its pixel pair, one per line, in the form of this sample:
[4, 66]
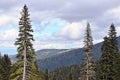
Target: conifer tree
[87, 71]
[108, 63]
[54, 78]
[70, 76]
[25, 68]
[5, 68]
[46, 75]
[114, 52]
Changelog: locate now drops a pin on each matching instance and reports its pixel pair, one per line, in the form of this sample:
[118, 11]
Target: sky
[58, 24]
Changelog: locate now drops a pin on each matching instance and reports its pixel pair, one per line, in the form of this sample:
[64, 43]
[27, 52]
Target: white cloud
[48, 45]
[72, 34]
[7, 45]
[5, 20]
[9, 35]
[42, 15]
[115, 12]
[10, 17]
[118, 30]
[112, 15]
[74, 30]
[7, 40]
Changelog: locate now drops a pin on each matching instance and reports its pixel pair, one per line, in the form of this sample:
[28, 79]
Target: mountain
[56, 58]
[45, 53]
[71, 57]
[68, 58]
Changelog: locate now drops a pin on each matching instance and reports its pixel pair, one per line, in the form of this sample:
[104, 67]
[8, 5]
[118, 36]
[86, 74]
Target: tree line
[106, 68]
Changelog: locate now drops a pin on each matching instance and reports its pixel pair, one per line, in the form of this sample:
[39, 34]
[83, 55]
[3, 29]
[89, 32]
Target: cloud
[114, 14]
[118, 30]
[59, 23]
[7, 40]
[8, 35]
[71, 10]
[57, 45]
[7, 19]
[75, 31]
[10, 17]
[72, 30]
[71, 35]
[48, 45]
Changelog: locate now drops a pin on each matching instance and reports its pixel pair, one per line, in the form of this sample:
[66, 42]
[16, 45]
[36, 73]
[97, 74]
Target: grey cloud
[70, 10]
[73, 10]
[6, 5]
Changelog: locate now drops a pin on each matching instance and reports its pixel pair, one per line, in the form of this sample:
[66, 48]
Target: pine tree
[117, 68]
[5, 68]
[46, 75]
[71, 77]
[108, 63]
[87, 71]
[104, 64]
[25, 68]
[115, 52]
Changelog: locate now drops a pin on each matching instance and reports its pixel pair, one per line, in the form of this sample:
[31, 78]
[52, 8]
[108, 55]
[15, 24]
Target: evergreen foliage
[65, 73]
[46, 75]
[109, 61]
[5, 68]
[107, 67]
[87, 71]
[25, 68]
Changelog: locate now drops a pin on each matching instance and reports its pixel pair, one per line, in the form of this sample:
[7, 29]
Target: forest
[26, 67]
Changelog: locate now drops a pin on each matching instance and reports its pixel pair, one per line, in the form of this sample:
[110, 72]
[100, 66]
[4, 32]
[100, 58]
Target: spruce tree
[5, 68]
[104, 64]
[108, 63]
[87, 71]
[114, 52]
[25, 68]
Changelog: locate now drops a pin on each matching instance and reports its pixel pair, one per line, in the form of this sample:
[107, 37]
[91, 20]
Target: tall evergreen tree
[107, 65]
[5, 68]
[114, 52]
[25, 68]
[87, 71]
[104, 64]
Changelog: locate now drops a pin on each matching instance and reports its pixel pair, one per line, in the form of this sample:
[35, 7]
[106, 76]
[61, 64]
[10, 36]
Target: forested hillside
[56, 58]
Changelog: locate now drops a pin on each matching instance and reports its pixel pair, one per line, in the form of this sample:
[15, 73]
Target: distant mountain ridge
[45, 53]
[55, 58]
[71, 57]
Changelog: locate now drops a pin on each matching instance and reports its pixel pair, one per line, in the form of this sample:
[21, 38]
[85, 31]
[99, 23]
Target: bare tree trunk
[24, 70]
